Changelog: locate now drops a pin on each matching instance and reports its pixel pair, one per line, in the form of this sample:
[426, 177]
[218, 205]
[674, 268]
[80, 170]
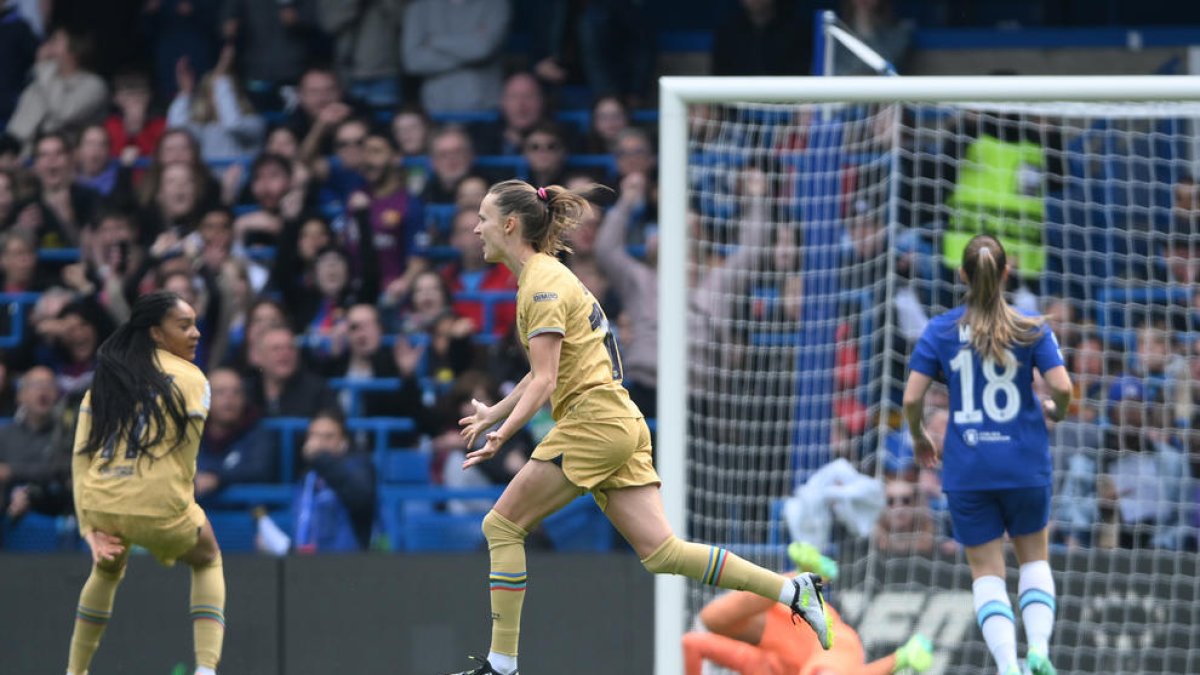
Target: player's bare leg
[638, 514]
[538, 490]
[993, 610]
[109, 557]
[207, 600]
[1035, 595]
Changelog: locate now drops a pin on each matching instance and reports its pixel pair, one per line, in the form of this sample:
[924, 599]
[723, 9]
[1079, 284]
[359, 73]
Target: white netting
[818, 239]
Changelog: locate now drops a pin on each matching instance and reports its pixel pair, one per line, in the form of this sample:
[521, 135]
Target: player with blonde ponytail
[996, 466]
[600, 443]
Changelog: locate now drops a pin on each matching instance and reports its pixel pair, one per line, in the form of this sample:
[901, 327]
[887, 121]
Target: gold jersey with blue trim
[116, 480]
[551, 299]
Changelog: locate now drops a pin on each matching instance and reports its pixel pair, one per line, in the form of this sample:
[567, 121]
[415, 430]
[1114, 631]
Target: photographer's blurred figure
[335, 503]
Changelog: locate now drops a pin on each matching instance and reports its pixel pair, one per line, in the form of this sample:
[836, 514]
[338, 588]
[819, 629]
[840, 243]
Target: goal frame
[675, 94]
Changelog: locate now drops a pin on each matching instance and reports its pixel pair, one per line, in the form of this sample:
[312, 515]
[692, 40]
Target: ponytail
[547, 214]
[993, 325]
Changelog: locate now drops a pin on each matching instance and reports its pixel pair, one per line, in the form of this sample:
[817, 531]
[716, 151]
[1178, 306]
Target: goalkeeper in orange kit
[752, 635]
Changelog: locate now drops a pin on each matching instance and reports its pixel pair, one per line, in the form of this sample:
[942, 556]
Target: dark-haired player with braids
[996, 470]
[600, 443]
[134, 462]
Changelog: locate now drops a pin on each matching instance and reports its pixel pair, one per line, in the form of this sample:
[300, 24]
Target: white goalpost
[808, 223]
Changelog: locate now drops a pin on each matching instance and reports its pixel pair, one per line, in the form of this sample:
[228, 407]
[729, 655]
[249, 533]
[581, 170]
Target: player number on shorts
[600, 322]
[995, 383]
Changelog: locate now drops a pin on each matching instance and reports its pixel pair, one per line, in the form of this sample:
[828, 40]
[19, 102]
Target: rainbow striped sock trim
[505, 581]
[716, 566]
[92, 616]
[208, 613]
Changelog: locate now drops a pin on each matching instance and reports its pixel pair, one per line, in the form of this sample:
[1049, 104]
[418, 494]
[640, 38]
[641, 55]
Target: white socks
[993, 612]
[503, 663]
[1035, 591]
[205, 671]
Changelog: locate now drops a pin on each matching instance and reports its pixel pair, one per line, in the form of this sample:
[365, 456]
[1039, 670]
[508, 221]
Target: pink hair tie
[541, 192]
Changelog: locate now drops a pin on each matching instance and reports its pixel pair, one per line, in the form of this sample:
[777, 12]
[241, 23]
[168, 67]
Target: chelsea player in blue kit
[996, 469]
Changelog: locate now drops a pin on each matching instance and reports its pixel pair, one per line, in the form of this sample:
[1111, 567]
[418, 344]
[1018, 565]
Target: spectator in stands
[180, 29]
[609, 118]
[450, 349]
[358, 353]
[293, 272]
[411, 130]
[452, 159]
[470, 193]
[342, 176]
[1086, 361]
[1156, 361]
[262, 315]
[110, 261]
[277, 201]
[19, 268]
[235, 448]
[30, 445]
[8, 198]
[63, 93]
[545, 153]
[335, 501]
[178, 146]
[906, 526]
[454, 48]
[176, 207]
[365, 36]
[284, 142]
[396, 218]
[1076, 451]
[280, 387]
[275, 41]
[522, 105]
[96, 169]
[217, 112]
[18, 46]
[470, 272]
[634, 153]
[84, 325]
[999, 181]
[765, 38]
[1143, 472]
[636, 282]
[323, 312]
[613, 39]
[65, 206]
[133, 128]
[873, 22]
[321, 108]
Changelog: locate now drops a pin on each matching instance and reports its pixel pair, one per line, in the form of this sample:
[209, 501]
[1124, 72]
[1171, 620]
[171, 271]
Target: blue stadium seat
[581, 527]
[444, 532]
[36, 532]
[403, 466]
[234, 530]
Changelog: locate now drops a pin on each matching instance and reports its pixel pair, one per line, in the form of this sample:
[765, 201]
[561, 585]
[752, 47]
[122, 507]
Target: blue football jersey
[996, 437]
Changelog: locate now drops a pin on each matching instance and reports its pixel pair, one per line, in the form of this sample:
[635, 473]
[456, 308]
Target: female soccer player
[134, 463]
[996, 464]
[600, 443]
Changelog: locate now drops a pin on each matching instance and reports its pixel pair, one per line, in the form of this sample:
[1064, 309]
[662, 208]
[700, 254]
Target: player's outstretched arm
[544, 353]
[486, 417]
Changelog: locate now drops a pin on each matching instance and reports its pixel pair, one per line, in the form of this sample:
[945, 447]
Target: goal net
[816, 239]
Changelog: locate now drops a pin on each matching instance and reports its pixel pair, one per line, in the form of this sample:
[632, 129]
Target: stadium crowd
[307, 173]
